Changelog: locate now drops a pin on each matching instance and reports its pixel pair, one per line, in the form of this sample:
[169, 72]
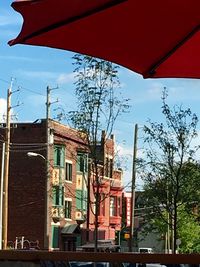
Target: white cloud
[17, 58]
[124, 151]
[64, 78]
[155, 91]
[44, 76]
[152, 93]
[127, 153]
[3, 107]
[150, 90]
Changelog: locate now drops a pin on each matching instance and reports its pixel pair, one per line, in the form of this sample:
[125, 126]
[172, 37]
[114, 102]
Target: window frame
[59, 156]
[68, 209]
[82, 162]
[58, 198]
[68, 171]
[55, 236]
[113, 206]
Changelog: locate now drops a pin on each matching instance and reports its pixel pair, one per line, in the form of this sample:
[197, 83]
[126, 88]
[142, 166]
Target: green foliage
[189, 233]
[99, 101]
[171, 174]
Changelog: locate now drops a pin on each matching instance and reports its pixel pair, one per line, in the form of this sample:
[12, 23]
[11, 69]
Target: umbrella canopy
[154, 38]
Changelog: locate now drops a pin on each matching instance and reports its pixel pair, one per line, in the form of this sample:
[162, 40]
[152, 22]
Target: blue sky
[33, 68]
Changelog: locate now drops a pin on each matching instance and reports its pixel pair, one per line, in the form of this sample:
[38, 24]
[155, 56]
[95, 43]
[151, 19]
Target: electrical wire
[23, 88]
[28, 144]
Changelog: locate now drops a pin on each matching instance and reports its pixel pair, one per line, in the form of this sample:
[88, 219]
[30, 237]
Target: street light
[33, 154]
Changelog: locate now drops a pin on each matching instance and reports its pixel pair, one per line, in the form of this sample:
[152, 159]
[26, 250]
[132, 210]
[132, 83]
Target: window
[113, 206]
[81, 199]
[119, 206]
[84, 205]
[81, 165]
[111, 168]
[68, 169]
[55, 236]
[59, 156]
[108, 167]
[58, 195]
[102, 205]
[68, 209]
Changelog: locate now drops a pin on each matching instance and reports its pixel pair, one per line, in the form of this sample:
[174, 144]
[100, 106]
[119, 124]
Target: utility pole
[1, 196]
[6, 171]
[47, 219]
[47, 184]
[88, 202]
[133, 188]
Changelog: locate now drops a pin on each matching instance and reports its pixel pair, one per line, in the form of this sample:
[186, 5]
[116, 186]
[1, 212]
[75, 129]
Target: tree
[98, 106]
[189, 232]
[170, 171]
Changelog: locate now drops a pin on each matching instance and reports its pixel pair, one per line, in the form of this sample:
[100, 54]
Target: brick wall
[26, 183]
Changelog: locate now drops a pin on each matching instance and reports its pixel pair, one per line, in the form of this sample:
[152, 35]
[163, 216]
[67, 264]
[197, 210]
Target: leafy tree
[189, 232]
[99, 103]
[170, 171]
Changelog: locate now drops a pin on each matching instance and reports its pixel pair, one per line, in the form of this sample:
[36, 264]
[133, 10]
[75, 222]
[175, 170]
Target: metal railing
[115, 258]
[21, 243]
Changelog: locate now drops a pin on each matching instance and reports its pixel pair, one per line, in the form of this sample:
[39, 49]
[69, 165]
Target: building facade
[141, 238]
[48, 199]
[110, 191]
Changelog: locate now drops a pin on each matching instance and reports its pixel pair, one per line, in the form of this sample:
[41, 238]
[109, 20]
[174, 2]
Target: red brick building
[110, 206]
[54, 210]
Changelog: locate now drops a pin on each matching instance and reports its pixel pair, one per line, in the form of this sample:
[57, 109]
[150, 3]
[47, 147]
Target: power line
[32, 91]
[4, 81]
[22, 87]
[28, 144]
[26, 150]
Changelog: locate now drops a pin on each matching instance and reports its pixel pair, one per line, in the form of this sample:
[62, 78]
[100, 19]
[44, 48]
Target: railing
[115, 258]
[23, 244]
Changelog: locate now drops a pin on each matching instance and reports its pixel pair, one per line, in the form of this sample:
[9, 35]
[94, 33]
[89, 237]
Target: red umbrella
[154, 38]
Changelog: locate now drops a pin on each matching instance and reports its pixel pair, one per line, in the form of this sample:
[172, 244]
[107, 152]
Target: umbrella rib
[71, 20]
[152, 70]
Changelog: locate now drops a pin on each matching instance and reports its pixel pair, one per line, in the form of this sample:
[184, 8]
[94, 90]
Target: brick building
[110, 190]
[54, 210]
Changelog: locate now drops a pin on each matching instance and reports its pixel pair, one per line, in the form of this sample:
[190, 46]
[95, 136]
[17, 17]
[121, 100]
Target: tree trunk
[88, 206]
[175, 228]
[96, 217]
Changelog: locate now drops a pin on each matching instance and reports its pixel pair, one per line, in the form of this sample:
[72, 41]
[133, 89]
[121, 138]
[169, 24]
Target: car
[88, 264]
[145, 250]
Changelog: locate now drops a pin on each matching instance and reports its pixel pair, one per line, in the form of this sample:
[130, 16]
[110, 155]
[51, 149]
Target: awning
[71, 229]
